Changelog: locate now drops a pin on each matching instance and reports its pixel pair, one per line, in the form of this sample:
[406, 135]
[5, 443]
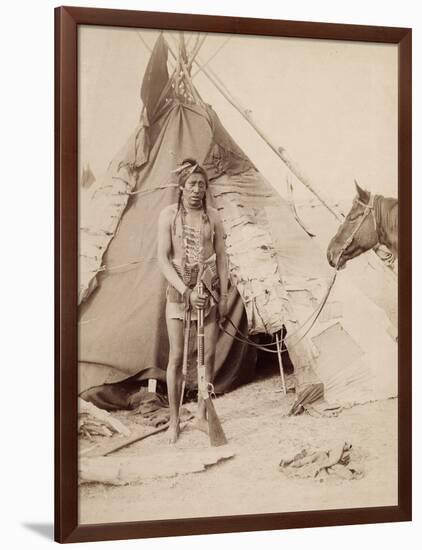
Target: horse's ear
[363, 195]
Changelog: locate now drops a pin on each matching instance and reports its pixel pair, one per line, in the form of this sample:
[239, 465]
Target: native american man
[190, 234]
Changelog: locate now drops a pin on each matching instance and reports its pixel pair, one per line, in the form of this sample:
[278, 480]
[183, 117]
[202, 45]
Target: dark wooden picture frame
[67, 20]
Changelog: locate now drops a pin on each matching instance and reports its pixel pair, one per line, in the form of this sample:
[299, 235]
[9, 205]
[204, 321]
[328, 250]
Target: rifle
[215, 430]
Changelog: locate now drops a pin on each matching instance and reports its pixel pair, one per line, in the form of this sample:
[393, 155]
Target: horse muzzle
[335, 257]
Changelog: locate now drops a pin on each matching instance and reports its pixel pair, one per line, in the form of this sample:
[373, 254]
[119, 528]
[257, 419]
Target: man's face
[194, 190]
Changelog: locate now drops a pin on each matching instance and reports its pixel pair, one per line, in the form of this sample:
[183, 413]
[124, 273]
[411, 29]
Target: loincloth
[175, 304]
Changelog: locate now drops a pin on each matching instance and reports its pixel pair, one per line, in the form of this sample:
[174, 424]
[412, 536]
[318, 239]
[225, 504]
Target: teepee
[278, 274]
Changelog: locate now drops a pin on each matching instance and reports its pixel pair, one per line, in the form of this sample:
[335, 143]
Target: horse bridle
[369, 208]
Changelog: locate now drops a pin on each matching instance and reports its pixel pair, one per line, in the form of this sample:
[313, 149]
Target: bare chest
[192, 237]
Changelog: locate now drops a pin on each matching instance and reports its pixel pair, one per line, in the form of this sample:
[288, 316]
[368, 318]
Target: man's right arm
[164, 252]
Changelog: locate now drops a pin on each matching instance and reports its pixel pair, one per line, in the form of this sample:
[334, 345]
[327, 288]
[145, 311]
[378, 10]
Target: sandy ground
[260, 433]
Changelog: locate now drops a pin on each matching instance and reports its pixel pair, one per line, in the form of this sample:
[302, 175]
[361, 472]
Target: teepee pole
[217, 51]
[195, 51]
[280, 364]
[279, 151]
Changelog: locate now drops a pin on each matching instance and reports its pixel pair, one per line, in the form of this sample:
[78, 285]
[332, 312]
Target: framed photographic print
[233, 324]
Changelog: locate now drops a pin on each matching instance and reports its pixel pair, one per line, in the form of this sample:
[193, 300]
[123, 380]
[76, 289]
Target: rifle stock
[215, 429]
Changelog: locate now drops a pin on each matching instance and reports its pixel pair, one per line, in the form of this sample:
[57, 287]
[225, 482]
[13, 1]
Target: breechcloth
[189, 275]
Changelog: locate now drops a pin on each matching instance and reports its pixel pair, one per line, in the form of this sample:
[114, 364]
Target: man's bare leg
[211, 334]
[174, 375]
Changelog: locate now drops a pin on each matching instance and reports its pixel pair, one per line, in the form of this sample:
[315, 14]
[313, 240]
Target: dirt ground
[259, 432]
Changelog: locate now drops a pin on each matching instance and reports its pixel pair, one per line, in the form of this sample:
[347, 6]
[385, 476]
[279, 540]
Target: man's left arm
[221, 262]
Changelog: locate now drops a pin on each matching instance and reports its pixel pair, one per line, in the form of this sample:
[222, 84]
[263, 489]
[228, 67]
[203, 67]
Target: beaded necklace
[193, 244]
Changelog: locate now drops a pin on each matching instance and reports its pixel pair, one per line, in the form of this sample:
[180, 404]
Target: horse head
[357, 234]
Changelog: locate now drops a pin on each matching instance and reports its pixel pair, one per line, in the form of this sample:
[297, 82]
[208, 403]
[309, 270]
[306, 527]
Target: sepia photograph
[237, 275]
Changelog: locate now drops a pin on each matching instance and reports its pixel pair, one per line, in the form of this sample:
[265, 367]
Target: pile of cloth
[143, 406]
[311, 401]
[320, 465]
[93, 421]
[153, 409]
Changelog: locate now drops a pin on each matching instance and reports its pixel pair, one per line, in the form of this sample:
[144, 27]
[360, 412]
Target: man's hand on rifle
[197, 301]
